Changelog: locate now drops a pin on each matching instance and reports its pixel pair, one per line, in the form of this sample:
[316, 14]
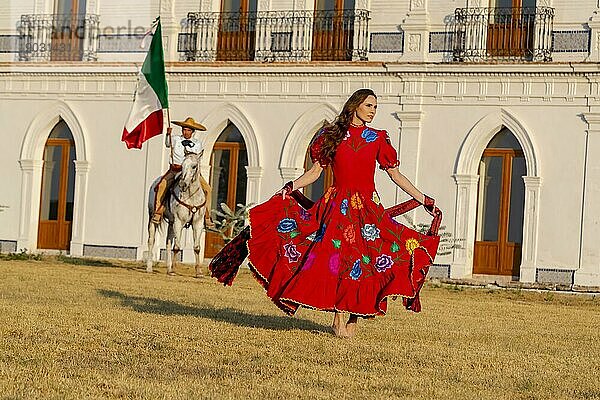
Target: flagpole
[169, 133]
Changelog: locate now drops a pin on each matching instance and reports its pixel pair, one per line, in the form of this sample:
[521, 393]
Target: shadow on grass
[229, 315]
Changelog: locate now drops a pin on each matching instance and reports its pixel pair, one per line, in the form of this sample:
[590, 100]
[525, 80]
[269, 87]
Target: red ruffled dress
[345, 253]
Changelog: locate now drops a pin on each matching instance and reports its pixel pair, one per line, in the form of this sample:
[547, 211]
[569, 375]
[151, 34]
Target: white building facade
[494, 107]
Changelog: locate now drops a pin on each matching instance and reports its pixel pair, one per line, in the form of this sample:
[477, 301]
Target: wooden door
[333, 30]
[69, 30]
[56, 204]
[237, 30]
[510, 31]
[500, 213]
[224, 177]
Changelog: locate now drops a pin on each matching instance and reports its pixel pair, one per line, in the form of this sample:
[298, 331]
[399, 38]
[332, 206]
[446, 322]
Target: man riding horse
[186, 143]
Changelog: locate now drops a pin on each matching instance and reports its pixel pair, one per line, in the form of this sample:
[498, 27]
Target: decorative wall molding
[386, 42]
[441, 42]
[571, 41]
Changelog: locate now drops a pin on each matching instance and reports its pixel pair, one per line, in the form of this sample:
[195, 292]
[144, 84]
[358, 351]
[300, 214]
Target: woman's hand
[286, 190]
[429, 204]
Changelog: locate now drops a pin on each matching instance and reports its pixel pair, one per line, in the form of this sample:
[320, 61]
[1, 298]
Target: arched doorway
[58, 188]
[228, 179]
[500, 207]
[316, 190]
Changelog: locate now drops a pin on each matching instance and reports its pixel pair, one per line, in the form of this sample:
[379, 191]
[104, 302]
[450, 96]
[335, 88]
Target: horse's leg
[168, 247]
[151, 238]
[197, 227]
[177, 228]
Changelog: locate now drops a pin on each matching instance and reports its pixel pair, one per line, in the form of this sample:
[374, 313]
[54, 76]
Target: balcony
[58, 37]
[268, 36]
[503, 34]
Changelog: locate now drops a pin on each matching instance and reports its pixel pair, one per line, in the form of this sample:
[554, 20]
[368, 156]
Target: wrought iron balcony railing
[58, 37]
[275, 36]
[503, 34]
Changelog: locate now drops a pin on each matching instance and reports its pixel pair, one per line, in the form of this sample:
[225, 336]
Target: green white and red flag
[151, 96]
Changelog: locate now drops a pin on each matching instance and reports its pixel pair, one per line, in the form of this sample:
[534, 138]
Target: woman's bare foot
[351, 325]
[339, 328]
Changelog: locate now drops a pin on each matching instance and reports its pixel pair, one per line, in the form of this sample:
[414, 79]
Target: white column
[82, 169]
[254, 175]
[416, 32]
[464, 225]
[588, 273]
[290, 173]
[530, 228]
[170, 29]
[31, 178]
[410, 143]
[594, 25]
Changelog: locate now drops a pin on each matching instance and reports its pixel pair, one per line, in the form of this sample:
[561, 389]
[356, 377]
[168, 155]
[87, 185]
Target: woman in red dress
[344, 254]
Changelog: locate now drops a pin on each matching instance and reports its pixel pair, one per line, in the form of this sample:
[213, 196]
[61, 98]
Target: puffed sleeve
[316, 153]
[387, 156]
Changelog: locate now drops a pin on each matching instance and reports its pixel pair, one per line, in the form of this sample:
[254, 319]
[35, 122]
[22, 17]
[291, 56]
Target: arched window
[58, 187]
[501, 197]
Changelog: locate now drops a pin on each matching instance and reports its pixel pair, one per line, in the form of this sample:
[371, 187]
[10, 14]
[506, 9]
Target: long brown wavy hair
[334, 132]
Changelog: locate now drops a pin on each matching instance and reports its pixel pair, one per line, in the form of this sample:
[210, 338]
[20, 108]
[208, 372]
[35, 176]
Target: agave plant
[228, 223]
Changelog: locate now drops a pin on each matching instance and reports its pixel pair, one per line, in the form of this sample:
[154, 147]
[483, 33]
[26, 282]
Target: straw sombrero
[190, 123]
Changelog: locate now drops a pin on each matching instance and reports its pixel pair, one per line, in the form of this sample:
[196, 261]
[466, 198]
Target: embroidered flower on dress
[383, 262]
[317, 235]
[286, 225]
[310, 259]
[328, 194]
[344, 206]
[334, 263]
[412, 244]
[291, 253]
[376, 198]
[350, 234]
[356, 270]
[369, 135]
[347, 136]
[370, 232]
[356, 202]
[304, 215]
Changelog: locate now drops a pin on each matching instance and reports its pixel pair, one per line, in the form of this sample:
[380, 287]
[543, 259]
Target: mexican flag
[146, 116]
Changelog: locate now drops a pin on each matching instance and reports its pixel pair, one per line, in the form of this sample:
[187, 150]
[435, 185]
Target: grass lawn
[109, 330]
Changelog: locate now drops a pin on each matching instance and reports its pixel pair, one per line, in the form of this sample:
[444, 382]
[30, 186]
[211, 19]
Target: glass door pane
[490, 190]
[231, 5]
[325, 5]
[220, 177]
[242, 179]
[51, 183]
[517, 201]
[70, 184]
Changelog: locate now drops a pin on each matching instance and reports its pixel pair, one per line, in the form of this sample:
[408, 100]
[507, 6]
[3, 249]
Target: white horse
[184, 206]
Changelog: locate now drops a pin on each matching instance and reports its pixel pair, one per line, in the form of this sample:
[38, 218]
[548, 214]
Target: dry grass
[113, 331]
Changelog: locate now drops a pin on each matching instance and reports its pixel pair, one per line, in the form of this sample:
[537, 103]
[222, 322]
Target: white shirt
[179, 150]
